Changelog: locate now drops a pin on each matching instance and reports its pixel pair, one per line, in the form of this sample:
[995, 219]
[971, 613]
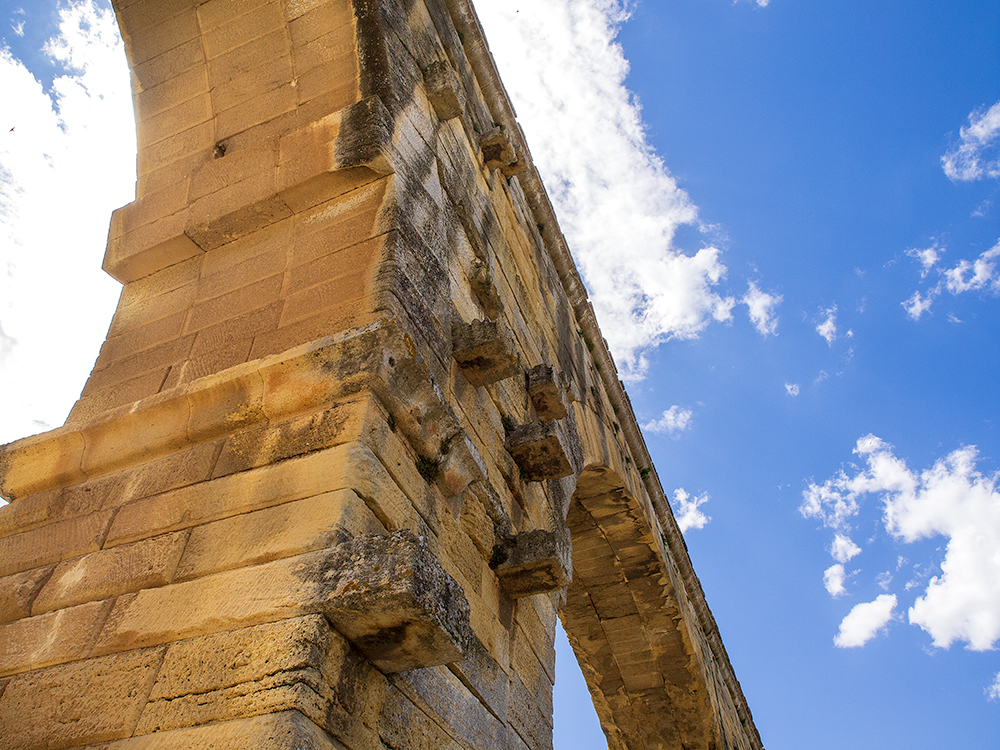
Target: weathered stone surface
[77, 704]
[538, 451]
[390, 597]
[444, 90]
[484, 351]
[534, 562]
[545, 393]
[291, 529]
[18, 591]
[53, 638]
[287, 730]
[108, 573]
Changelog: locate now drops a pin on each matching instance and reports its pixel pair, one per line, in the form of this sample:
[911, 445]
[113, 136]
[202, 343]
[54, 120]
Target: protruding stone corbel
[539, 452]
[545, 392]
[535, 562]
[444, 90]
[484, 290]
[499, 153]
[394, 601]
[485, 351]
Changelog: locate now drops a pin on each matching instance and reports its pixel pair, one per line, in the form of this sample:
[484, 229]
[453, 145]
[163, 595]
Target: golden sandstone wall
[352, 415]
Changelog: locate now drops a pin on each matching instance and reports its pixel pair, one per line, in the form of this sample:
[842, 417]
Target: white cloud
[928, 257]
[761, 309]
[917, 305]
[792, 389]
[976, 155]
[617, 203]
[864, 621]
[827, 328]
[674, 420]
[978, 275]
[952, 500]
[833, 580]
[68, 163]
[687, 510]
[983, 273]
[993, 691]
[843, 549]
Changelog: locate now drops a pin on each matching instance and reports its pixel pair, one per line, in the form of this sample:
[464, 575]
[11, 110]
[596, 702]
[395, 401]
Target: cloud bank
[977, 154]
[67, 159]
[951, 500]
[618, 205]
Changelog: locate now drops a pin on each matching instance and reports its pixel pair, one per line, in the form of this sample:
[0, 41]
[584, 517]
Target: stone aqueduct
[352, 413]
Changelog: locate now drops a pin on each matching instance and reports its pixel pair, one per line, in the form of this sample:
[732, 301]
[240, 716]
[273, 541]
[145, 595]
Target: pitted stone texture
[546, 393]
[392, 599]
[288, 730]
[499, 152]
[77, 704]
[534, 562]
[444, 90]
[485, 351]
[539, 452]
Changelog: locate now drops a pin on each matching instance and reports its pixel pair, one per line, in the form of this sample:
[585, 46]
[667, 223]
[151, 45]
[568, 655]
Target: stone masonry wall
[354, 440]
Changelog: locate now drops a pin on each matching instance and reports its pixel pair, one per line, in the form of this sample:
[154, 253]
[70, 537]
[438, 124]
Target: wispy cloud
[792, 389]
[687, 510]
[69, 161]
[993, 691]
[977, 155]
[865, 621]
[952, 500]
[674, 421]
[978, 275]
[617, 203]
[762, 307]
[827, 327]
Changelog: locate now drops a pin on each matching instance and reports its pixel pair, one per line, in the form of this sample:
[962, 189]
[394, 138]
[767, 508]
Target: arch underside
[626, 625]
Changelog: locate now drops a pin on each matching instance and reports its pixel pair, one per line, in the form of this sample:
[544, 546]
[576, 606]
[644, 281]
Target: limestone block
[287, 730]
[533, 562]
[285, 588]
[247, 655]
[37, 463]
[545, 392]
[485, 351]
[444, 90]
[392, 599]
[53, 638]
[77, 704]
[485, 290]
[301, 663]
[291, 529]
[18, 591]
[107, 573]
[499, 153]
[539, 452]
[57, 541]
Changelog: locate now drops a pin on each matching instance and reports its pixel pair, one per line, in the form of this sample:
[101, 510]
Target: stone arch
[626, 623]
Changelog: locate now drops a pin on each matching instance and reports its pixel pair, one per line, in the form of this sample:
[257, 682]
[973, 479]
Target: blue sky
[787, 216]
